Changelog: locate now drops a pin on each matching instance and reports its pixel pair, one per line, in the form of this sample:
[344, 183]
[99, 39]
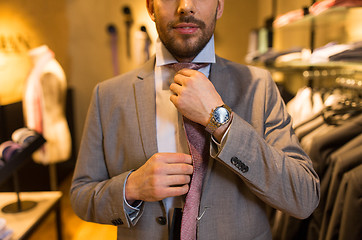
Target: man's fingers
[177, 180]
[187, 72]
[175, 88]
[173, 191]
[178, 190]
[179, 78]
[174, 158]
[179, 168]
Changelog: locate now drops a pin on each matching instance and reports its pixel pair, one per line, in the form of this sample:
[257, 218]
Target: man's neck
[185, 60]
[163, 56]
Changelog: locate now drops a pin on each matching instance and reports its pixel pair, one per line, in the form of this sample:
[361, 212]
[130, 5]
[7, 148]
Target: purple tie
[198, 141]
[195, 66]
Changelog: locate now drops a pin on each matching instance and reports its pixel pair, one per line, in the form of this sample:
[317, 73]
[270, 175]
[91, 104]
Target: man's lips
[186, 28]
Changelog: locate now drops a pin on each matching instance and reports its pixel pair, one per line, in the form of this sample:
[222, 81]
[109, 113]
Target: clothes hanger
[343, 111]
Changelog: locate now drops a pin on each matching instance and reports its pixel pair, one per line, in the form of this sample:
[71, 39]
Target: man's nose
[186, 7]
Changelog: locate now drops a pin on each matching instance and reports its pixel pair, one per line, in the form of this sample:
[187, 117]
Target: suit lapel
[218, 76]
[146, 108]
[217, 72]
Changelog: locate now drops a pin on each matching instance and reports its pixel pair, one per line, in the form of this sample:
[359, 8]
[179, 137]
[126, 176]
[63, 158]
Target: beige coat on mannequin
[44, 106]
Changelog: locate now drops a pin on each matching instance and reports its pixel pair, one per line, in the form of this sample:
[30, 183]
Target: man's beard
[188, 49]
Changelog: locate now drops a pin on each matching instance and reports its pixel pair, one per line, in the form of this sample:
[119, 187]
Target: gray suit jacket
[260, 165]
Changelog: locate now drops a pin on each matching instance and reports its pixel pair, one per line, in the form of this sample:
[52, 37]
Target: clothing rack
[349, 83]
[323, 73]
[331, 135]
[324, 78]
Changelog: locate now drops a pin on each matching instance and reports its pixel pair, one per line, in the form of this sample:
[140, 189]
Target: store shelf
[300, 65]
[337, 24]
[349, 67]
[334, 14]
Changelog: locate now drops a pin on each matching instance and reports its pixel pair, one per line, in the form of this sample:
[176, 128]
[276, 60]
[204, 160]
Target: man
[134, 166]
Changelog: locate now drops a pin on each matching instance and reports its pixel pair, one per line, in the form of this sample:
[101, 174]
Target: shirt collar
[164, 57]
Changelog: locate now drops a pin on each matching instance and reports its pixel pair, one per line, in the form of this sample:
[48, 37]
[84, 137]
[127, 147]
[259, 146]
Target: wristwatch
[219, 116]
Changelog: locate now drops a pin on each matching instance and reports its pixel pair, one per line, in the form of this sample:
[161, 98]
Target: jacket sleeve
[270, 161]
[94, 196]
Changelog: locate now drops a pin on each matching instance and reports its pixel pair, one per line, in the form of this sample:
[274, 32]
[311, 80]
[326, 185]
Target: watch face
[221, 115]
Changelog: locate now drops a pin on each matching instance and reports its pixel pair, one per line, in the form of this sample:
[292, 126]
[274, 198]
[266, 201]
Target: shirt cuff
[133, 210]
[220, 144]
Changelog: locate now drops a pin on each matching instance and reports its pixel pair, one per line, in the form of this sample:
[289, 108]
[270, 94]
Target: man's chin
[185, 46]
[184, 52]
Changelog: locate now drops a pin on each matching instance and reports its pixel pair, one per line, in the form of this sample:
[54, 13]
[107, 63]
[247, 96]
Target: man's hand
[163, 175]
[194, 95]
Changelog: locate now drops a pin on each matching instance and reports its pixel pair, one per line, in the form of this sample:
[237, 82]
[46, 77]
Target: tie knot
[195, 66]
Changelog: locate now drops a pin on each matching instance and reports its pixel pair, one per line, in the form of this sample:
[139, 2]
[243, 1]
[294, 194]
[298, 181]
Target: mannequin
[44, 104]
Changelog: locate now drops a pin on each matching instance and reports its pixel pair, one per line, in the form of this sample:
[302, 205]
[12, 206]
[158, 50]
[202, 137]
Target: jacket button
[161, 220]
[245, 169]
[235, 161]
[239, 164]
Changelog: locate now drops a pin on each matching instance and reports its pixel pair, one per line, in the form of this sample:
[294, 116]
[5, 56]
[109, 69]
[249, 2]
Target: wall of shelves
[340, 25]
